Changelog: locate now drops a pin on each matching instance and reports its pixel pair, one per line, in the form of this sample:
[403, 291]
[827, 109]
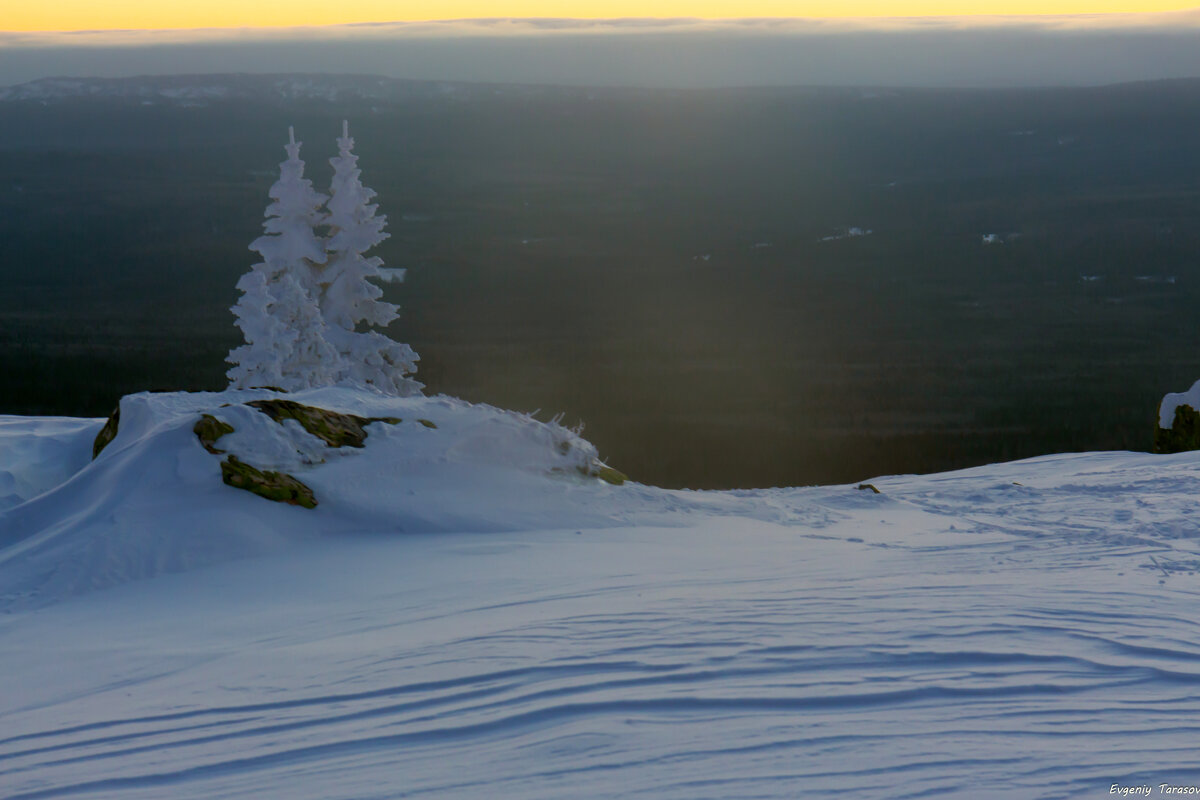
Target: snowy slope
[154, 501]
[1020, 630]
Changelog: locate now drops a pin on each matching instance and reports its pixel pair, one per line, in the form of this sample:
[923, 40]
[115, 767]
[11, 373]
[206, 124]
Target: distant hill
[192, 90]
[336, 88]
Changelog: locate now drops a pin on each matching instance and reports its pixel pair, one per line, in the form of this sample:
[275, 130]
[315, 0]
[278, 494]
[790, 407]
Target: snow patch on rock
[1172, 400]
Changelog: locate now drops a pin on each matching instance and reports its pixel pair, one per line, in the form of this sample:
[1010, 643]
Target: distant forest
[730, 288]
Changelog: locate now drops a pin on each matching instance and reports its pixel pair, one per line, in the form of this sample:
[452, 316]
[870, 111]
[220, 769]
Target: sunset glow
[75, 15]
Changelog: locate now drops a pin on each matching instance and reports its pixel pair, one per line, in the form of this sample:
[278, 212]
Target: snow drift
[154, 499]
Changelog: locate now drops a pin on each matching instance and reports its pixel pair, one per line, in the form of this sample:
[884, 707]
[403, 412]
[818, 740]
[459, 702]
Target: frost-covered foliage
[347, 297]
[301, 306]
[285, 337]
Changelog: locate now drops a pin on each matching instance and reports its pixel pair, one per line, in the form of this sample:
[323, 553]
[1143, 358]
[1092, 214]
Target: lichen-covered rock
[107, 433]
[209, 429]
[1183, 435]
[334, 428]
[277, 486]
[596, 469]
[609, 475]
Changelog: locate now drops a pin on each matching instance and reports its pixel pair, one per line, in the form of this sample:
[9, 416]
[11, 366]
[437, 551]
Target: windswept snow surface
[1024, 630]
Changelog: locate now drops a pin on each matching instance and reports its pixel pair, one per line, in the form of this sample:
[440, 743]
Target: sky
[75, 15]
[977, 43]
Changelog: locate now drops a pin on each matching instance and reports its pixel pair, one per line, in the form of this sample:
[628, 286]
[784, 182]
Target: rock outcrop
[1183, 435]
[277, 486]
[107, 433]
[1178, 422]
[332, 427]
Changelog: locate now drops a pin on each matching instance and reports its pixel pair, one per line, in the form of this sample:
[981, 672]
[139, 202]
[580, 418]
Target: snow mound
[154, 499]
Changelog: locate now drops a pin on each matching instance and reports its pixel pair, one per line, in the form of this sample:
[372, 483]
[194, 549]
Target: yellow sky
[74, 15]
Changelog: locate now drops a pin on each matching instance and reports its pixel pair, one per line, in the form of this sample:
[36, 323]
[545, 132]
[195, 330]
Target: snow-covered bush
[1178, 422]
[301, 306]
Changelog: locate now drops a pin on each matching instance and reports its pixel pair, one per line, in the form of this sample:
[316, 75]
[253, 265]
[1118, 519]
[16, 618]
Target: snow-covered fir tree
[286, 343]
[347, 297]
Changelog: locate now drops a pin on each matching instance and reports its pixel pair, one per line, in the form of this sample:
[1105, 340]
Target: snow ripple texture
[1025, 630]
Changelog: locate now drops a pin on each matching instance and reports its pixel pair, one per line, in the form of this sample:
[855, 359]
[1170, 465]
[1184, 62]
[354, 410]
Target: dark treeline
[675, 269]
